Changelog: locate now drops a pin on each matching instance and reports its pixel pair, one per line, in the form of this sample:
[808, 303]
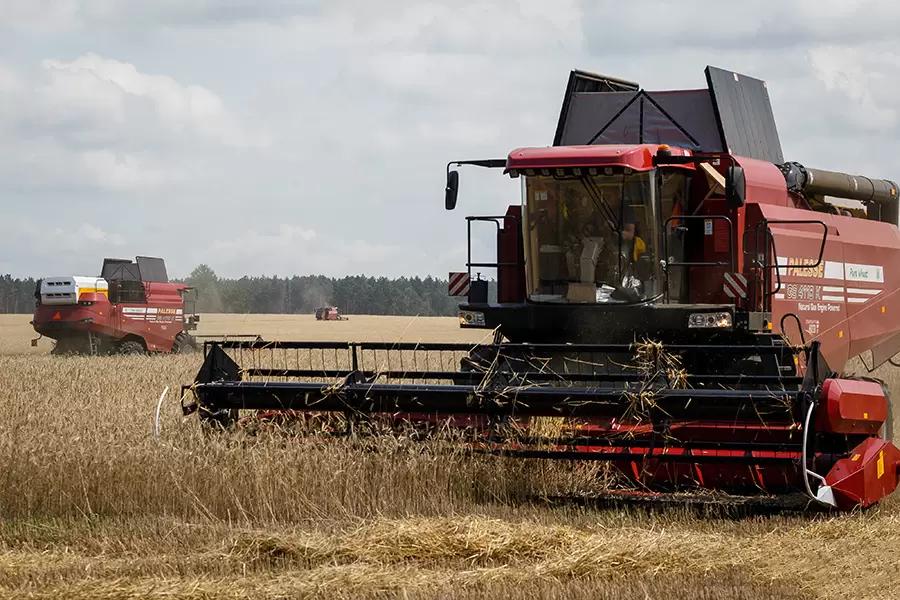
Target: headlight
[706, 320]
[471, 318]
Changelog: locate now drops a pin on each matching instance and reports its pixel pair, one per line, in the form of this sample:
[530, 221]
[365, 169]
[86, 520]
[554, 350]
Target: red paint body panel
[98, 317]
[851, 302]
[510, 274]
[851, 407]
[764, 182]
[156, 322]
[738, 477]
[869, 474]
[706, 282]
[873, 304]
[638, 157]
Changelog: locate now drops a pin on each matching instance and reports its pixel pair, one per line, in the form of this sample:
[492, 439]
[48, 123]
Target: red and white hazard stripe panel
[458, 284]
[735, 285]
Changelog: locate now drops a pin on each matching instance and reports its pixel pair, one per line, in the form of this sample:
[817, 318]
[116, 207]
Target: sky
[278, 137]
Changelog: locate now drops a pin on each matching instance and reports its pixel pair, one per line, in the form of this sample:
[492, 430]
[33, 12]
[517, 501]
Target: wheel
[183, 343]
[70, 346]
[61, 348]
[131, 347]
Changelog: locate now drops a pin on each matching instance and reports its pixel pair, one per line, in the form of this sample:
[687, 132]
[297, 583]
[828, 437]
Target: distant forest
[16, 295]
[357, 294]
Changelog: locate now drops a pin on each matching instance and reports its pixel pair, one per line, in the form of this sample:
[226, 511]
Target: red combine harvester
[329, 313]
[131, 308]
[673, 298]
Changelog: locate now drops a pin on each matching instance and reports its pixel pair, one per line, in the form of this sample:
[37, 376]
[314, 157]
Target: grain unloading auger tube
[735, 418]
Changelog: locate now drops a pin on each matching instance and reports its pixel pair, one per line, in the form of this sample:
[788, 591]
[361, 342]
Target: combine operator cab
[609, 241]
[592, 238]
[672, 298]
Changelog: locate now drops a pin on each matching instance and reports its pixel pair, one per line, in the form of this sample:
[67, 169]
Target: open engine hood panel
[733, 114]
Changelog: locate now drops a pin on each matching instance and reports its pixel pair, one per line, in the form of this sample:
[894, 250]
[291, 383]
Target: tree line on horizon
[359, 294]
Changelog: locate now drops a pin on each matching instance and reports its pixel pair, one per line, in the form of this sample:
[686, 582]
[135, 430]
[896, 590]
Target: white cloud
[103, 123]
[122, 172]
[767, 26]
[96, 234]
[38, 15]
[10, 82]
[58, 247]
[866, 79]
[200, 130]
[109, 90]
[463, 27]
[62, 15]
[290, 249]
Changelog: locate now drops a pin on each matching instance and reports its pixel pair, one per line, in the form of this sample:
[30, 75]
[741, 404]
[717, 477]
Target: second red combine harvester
[130, 308]
[673, 295]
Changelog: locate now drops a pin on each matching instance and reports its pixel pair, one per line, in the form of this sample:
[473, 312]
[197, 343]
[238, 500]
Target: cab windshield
[591, 238]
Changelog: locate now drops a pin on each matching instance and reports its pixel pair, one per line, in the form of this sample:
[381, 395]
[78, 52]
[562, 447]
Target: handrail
[771, 246]
[495, 219]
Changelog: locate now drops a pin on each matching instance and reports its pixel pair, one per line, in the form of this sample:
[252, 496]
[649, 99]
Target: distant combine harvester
[329, 313]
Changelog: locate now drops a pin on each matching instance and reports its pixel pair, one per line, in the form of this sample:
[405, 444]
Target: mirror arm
[452, 188]
[490, 163]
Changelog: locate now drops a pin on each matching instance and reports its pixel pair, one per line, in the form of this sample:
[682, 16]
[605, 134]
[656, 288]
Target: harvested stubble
[94, 507]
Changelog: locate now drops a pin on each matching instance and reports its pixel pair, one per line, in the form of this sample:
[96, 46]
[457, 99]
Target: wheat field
[93, 505]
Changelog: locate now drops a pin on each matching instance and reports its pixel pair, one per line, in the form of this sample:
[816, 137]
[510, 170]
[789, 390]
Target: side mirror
[735, 187]
[452, 190]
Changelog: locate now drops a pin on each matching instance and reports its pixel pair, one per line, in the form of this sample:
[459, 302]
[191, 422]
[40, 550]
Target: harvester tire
[183, 344]
[72, 346]
[131, 347]
[62, 349]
